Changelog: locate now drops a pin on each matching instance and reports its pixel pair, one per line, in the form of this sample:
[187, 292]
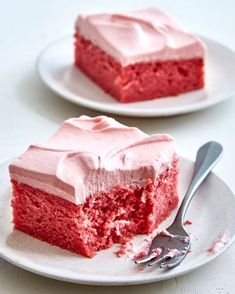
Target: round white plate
[212, 211]
[56, 69]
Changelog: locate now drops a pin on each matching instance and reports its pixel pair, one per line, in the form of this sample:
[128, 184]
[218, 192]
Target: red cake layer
[105, 218]
[140, 81]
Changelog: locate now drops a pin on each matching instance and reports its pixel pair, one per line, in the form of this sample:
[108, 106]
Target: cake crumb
[172, 252]
[187, 222]
[134, 250]
[137, 250]
[219, 243]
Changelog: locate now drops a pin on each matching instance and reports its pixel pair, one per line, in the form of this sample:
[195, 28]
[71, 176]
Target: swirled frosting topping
[141, 36]
[87, 155]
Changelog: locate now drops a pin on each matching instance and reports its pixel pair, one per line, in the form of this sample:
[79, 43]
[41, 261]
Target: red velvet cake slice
[95, 182]
[140, 55]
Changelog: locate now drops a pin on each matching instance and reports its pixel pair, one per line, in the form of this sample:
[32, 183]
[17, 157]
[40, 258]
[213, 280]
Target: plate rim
[99, 280]
[103, 107]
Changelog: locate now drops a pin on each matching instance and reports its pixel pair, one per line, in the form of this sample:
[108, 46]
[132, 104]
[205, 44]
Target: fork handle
[207, 157]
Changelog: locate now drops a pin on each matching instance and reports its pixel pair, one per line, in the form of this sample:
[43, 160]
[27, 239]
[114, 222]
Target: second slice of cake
[139, 55]
[95, 182]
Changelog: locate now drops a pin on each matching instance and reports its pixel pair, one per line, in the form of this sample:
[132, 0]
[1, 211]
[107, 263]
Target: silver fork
[174, 243]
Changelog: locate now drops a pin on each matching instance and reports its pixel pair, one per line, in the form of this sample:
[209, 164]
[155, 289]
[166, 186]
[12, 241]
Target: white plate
[212, 211]
[56, 69]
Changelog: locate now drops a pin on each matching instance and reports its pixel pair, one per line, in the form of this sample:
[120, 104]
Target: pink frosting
[87, 155]
[141, 36]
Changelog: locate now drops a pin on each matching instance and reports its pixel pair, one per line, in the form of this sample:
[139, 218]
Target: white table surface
[29, 113]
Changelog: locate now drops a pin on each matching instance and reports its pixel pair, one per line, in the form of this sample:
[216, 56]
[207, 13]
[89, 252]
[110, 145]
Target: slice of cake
[140, 55]
[95, 182]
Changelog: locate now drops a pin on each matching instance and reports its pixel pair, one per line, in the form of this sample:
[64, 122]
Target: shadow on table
[40, 99]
